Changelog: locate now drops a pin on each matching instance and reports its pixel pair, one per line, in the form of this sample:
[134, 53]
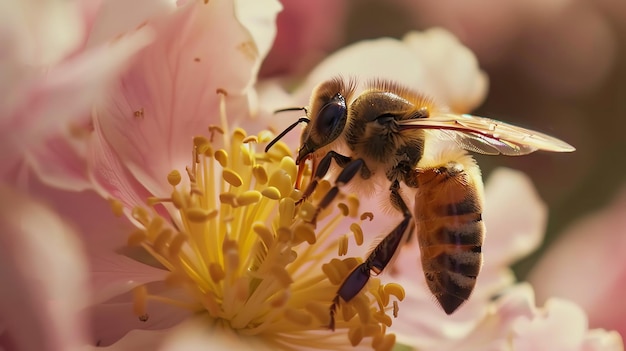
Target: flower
[585, 265]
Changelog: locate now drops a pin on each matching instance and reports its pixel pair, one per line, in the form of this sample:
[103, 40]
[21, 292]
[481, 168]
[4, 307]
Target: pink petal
[65, 93]
[42, 263]
[514, 228]
[170, 93]
[307, 32]
[422, 61]
[596, 279]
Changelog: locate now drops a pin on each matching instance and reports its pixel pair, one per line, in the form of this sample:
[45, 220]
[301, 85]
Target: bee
[396, 136]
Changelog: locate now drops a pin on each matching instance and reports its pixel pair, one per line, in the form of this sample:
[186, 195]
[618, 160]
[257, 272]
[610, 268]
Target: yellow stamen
[244, 251]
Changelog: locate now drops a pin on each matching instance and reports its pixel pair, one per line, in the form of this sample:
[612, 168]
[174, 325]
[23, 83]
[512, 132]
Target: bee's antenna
[293, 109]
[287, 130]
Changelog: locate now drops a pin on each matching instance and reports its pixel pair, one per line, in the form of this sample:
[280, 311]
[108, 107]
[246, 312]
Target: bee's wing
[486, 136]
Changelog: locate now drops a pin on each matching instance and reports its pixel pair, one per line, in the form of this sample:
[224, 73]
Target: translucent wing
[486, 136]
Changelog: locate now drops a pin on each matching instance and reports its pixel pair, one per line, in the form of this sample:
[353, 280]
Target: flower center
[247, 257]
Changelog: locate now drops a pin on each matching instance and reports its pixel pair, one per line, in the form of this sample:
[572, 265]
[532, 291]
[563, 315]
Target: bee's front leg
[322, 169]
[379, 258]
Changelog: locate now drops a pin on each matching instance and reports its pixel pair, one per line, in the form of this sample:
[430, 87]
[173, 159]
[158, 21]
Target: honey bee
[391, 134]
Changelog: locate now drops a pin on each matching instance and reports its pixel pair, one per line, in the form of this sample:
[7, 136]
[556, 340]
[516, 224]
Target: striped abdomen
[448, 208]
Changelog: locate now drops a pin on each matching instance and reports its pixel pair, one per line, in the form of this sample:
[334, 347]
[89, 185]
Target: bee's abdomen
[448, 212]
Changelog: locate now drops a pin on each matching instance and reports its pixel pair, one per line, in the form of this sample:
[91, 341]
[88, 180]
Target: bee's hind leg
[378, 259]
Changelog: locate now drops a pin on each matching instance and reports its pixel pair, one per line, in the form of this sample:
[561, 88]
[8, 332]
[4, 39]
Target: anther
[357, 233]
[117, 207]
[231, 177]
[367, 215]
[174, 178]
[222, 157]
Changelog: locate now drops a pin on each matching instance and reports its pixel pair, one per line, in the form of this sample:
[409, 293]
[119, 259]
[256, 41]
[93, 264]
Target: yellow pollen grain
[176, 244]
[141, 215]
[271, 193]
[222, 157]
[259, 173]
[174, 178]
[199, 215]
[250, 139]
[278, 151]
[353, 205]
[344, 209]
[136, 238]
[140, 295]
[231, 177]
[281, 180]
[357, 232]
[367, 215]
[289, 165]
[384, 343]
[395, 289]
[299, 317]
[343, 245]
[355, 335]
[228, 199]
[396, 309]
[382, 318]
[248, 198]
[161, 241]
[264, 233]
[304, 232]
[155, 227]
[117, 207]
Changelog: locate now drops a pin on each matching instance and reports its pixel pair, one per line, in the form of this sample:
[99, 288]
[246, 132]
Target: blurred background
[556, 66]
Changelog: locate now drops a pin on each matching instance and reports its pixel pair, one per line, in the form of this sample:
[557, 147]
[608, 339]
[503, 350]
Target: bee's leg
[379, 258]
[322, 169]
[347, 173]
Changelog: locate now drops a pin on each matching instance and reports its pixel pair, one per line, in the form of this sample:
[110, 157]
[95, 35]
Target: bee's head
[326, 118]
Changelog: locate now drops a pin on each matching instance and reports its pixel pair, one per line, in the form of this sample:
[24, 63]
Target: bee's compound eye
[330, 115]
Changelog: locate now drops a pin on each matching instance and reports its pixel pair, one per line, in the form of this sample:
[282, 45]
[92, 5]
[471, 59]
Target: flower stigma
[247, 257]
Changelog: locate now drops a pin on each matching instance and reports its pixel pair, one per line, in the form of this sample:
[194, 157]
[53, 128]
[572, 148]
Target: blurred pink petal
[307, 32]
[433, 62]
[43, 272]
[585, 264]
[514, 323]
[169, 95]
[66, 93]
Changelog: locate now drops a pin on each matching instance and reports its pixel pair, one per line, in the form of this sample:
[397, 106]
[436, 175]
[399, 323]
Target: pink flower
[584, 264]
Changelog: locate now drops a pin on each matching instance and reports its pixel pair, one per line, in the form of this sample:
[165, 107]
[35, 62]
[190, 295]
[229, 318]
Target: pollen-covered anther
[136, 238]
[343, 245]
[231, 177]
[117, 207]
[271, 193]
[248, 198]
[304, 232]
[174, 178]
[394, 289]
[357, 233]
[281, 276]
[222, 157]
[198, 215]
[250, 139]
[384, 342]
[344, 209]
[140, 296]
[216, 272]
[367, 215]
